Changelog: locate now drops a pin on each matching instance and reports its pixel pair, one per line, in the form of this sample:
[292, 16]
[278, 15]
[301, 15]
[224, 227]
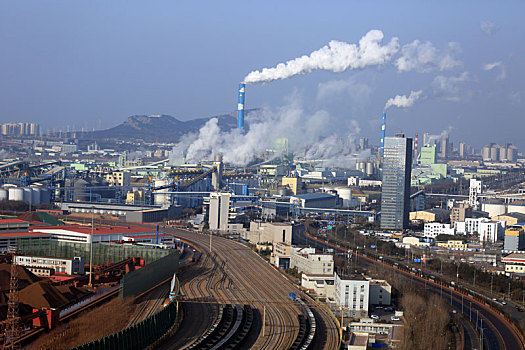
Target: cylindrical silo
[45, 195]
[486, 152]
[161, 198]
[27, 194]
[494, 153]
[16, 194]
[369, 168]
[3, 194]
[35, 195]
[503, 153]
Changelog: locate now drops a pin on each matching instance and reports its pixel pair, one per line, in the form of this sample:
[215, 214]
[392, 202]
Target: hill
[164, 128]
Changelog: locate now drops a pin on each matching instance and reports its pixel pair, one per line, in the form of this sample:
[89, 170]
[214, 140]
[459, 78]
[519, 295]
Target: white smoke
[337, 56]
[425, 57]
[491, 66]
[402, 100]
[310, 135]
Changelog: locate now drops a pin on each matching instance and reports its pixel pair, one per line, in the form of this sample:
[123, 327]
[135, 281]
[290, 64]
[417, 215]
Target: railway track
[498, 333]
[239, 276]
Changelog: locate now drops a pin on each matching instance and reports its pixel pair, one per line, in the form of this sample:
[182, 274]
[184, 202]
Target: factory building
[315, 200]
[293, 183]
[307, 261]
[430, 215]
[459, 212]
[44, 266]
[514, 263]
[82, 234]
[514, 239]
[322, 285]
[270, 232]
[395, 190]
[280, 257]
[11, 239]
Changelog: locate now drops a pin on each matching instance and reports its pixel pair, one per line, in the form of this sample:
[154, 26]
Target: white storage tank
[4, 194]
[35, 195]
[161, 198]
[27, 194]
[16, 194]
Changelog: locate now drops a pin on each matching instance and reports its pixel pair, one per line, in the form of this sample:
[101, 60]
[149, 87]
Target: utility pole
[491, 281]
[210, 239]
[12, 326]
[264, 320]
[91, 248]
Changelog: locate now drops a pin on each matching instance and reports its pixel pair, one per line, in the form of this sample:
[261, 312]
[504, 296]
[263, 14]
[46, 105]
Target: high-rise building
[428, 155]
[363, 143]
[395, 194]
[462, 149]
[445, 147]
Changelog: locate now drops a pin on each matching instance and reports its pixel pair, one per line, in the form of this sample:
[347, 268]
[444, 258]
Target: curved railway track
[239, 275]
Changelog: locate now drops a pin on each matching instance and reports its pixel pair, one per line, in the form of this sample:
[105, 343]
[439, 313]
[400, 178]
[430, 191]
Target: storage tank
[45, 195]
[486, 152]
[511, 154]
[503, 153]
[345, 194]
[35, 195]
[16, 194]
[4, 194]
[161, 198]
[494, 153]
[370, 168]
[27, 194]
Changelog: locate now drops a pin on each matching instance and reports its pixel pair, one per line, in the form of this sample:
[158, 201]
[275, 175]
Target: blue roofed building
[315, 200]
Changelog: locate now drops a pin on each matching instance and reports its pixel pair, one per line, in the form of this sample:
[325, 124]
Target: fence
[139, 281]
[102, 252]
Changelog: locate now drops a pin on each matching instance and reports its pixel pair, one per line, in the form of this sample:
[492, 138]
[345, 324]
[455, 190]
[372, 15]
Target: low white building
[380, 292]
[433, 229]
[487, 229]
[352, 294]
[269, 232]
[73, 266]
[307, 261]
[321, 285]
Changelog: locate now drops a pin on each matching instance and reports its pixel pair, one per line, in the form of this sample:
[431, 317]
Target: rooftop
[314, 196]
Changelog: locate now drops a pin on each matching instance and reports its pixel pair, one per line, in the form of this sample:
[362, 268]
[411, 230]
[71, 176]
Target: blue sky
[91, 63]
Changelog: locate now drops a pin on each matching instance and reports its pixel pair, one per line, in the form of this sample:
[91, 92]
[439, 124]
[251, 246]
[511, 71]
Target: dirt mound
[25, 278]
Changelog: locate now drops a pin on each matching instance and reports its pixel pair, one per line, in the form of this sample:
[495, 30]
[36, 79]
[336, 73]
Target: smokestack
[383, 130]
[240, 109]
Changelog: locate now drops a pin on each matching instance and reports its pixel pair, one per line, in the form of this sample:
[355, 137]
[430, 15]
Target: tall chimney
[383, 130]
[240, 109]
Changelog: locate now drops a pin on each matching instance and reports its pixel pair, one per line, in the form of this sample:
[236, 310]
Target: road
[234, 274]
[497, 333]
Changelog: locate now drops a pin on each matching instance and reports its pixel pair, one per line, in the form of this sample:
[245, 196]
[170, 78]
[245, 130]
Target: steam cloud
[337, 56]
[310, 135]
[403, 100]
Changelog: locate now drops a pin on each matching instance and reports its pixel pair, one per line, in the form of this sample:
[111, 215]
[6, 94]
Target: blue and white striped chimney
[240, 108]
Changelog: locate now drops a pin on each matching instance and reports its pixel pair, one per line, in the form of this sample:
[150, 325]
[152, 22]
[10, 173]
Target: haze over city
[262, 175]
[91, 65]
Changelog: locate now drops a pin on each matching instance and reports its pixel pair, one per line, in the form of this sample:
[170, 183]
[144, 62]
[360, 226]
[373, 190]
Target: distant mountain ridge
[162, 127]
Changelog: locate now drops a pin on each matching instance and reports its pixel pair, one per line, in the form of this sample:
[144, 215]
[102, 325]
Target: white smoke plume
[425, 57]
[403, 101]
[337, 56]
[310, 135]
